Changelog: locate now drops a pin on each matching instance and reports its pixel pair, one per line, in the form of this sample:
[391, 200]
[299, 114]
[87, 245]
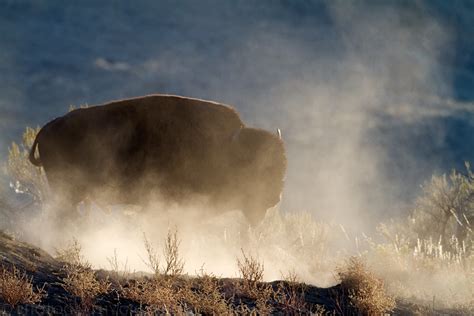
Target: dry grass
[178, 295]
[71, 253]
[291, 298]
[291, 294]
[159, 295]
[286, 240]
[120, 271]
[366, 292]
[153, 260]
[173, 263]
[80, 279]
[26, 178]
[82, 282]
[206, 296]
[417, 270]
[17, 288]
[251, 271]
[251, 285]
[167, 292]
[446, 208]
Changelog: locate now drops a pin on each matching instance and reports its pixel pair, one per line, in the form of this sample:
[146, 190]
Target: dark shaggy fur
[163, 146]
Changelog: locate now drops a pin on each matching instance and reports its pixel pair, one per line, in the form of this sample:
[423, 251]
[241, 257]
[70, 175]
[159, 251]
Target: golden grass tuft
[120, 271]
[80, 279]
[206, 296]
[81, 282]
[290, 295]
[17, 288]
[173, 263]
[178, 295]
[166, 292]
[251, 285]
[158, 295]
[366, 291]
[171, 292]
[251, 271]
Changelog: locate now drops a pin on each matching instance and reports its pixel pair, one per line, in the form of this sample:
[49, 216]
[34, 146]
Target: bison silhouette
[171, 147]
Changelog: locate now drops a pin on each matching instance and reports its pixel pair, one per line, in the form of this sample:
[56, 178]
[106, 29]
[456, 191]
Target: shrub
[26, 178]
[174, 264]
[160, 295]
[17, 288]
[166, 292]
[406, 263]
[120, 271]
[291, 294]
[366, 292]
[446, 208]
[81, 282]
[251, 271]
[206, 296]
[71, 253]
[169, 292]
[80, 279]
[177, 295]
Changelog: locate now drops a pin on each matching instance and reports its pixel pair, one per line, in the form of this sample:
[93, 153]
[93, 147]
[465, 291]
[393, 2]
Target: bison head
[259, 163]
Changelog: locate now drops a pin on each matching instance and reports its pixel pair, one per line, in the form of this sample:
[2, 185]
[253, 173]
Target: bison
[171, 147]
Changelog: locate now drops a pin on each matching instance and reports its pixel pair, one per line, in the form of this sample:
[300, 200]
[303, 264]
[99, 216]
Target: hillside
[48, 273]
[52, 276]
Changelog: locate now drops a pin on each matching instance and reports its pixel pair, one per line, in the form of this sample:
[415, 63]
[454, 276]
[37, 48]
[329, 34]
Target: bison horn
[279, 133]
[236, 134]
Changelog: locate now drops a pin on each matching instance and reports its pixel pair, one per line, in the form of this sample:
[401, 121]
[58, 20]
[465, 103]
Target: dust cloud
[389, 67]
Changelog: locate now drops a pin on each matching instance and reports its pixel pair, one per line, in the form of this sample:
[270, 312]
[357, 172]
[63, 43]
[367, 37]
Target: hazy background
[371, 98]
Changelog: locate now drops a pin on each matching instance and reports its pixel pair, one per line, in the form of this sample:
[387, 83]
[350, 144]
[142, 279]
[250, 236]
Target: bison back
[132, 147]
